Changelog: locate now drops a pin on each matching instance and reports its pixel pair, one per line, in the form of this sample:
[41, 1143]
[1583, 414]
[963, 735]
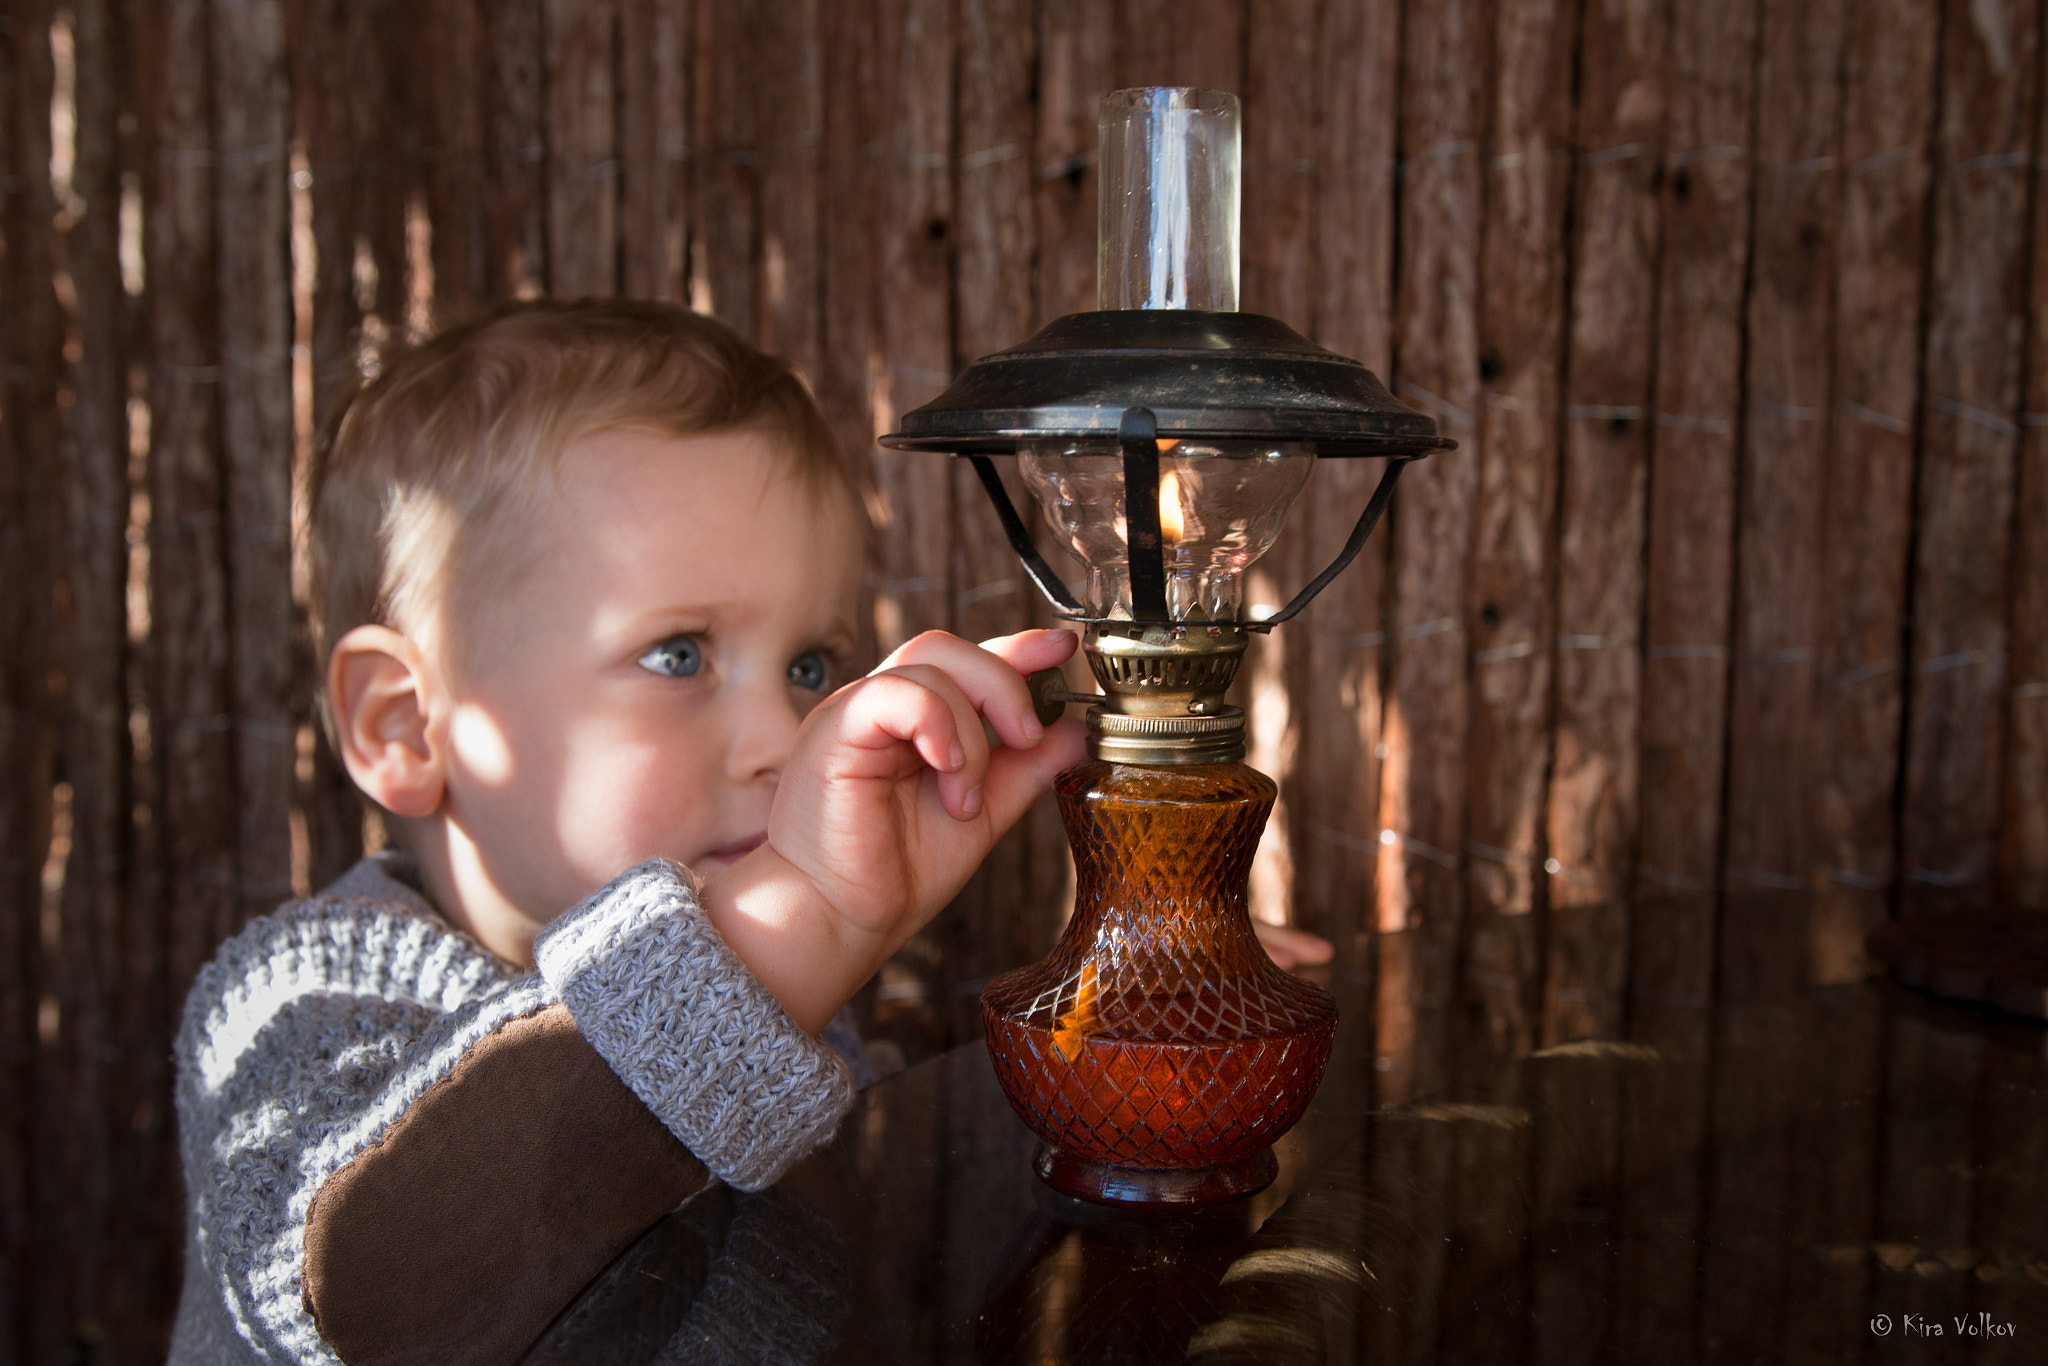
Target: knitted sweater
[397, 1147]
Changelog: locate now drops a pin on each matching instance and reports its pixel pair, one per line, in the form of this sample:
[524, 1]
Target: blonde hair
[431, 481]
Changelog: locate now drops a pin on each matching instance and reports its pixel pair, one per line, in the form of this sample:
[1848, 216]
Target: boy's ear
[385, 701]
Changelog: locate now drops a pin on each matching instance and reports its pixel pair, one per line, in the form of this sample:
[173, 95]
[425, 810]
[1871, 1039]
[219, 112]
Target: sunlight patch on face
[480, 744]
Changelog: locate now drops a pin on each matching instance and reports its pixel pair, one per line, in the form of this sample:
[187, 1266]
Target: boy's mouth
[739, 849]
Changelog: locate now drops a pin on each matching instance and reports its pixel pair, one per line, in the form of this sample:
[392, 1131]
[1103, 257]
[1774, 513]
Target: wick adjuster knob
[1049, 695]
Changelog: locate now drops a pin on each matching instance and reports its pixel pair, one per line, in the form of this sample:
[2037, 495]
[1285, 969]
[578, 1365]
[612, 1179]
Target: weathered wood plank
[788, 89]
[1007, 912]
[1509, 603]
[1771, 756]
[997, 233]
[1984, 147]
[1705, 197]
[854, 131]
[850, 152]
[1075, 48]
[1422, 797]
[449, 56]
[1277, 252]
[1159, 42]
[1707, 184]
[910, 360]
[1522, 338]
[1880, 276]
[192, 726]
[516, 150]
[144, 1270]
[1617, 242]
[583, 153]
[914, 242]
[104, 1031]
[30, 547]
[252, 159]
[323, 120]
[23, 734]
[2023, 866]
[1279, 164]
[1788, 387]
[1445, 67]
[384, 112]
[655, 141]
[726, 189]
[1336, 649]
[349, 68]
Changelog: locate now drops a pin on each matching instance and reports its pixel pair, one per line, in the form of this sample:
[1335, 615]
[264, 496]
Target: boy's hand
[1291, 948]
[894, 796]
[889, 802]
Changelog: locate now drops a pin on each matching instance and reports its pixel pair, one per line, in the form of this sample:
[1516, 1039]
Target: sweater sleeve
[702, 1043]
[399, 1150]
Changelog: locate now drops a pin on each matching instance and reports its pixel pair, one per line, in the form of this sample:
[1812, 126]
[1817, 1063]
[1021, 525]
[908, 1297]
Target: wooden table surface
[1846, 1174]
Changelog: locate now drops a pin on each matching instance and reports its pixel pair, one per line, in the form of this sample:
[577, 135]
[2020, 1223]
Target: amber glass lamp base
[1157, 1052]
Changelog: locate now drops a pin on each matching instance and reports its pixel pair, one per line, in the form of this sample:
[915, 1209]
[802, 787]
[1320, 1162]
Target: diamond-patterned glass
[1158, 1034]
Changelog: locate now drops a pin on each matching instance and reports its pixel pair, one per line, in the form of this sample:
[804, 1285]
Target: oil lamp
[1158, 1052]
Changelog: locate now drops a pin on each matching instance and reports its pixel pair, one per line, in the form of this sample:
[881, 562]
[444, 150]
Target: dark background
[1737, 584]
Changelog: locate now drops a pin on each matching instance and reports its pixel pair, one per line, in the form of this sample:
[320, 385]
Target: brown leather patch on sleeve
[497, 1196]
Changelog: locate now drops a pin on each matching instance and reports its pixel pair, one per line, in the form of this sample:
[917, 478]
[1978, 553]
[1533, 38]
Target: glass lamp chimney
[1167, 223]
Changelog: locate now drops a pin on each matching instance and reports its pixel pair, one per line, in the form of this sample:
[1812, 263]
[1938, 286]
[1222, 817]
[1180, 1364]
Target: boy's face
[637, 689]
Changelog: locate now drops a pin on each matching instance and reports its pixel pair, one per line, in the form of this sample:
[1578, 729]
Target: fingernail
[958, 755]
[971, 803]
[1032, 730]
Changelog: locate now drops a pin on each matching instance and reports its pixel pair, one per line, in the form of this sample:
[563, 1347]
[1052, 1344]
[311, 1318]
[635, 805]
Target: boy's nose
[763, 735]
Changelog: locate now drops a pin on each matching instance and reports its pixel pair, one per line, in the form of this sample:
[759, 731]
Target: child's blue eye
[808, 670]
[677, 657]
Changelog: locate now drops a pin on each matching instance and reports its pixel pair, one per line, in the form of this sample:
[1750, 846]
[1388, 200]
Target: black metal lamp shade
[1209, 375]
[1140, 375]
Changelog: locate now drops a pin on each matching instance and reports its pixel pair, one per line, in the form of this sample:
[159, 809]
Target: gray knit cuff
[696, 1036]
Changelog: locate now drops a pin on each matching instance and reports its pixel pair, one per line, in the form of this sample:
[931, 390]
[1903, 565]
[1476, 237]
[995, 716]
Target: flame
[1171, 525]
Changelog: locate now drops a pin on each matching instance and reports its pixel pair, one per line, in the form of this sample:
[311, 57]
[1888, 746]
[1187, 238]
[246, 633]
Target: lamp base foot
[1181, 1187]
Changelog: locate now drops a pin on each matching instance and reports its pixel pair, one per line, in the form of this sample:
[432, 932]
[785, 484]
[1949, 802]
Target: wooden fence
[1738, 582]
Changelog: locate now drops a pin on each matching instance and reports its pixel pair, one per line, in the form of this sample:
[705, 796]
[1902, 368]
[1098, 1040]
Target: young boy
[585, 582]
[585, 578]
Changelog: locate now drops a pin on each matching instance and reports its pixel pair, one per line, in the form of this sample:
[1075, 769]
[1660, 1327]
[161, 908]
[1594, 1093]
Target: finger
[1029, 651]
[884, 713]
[1018, 777]
[961, 776]
[991, 683]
